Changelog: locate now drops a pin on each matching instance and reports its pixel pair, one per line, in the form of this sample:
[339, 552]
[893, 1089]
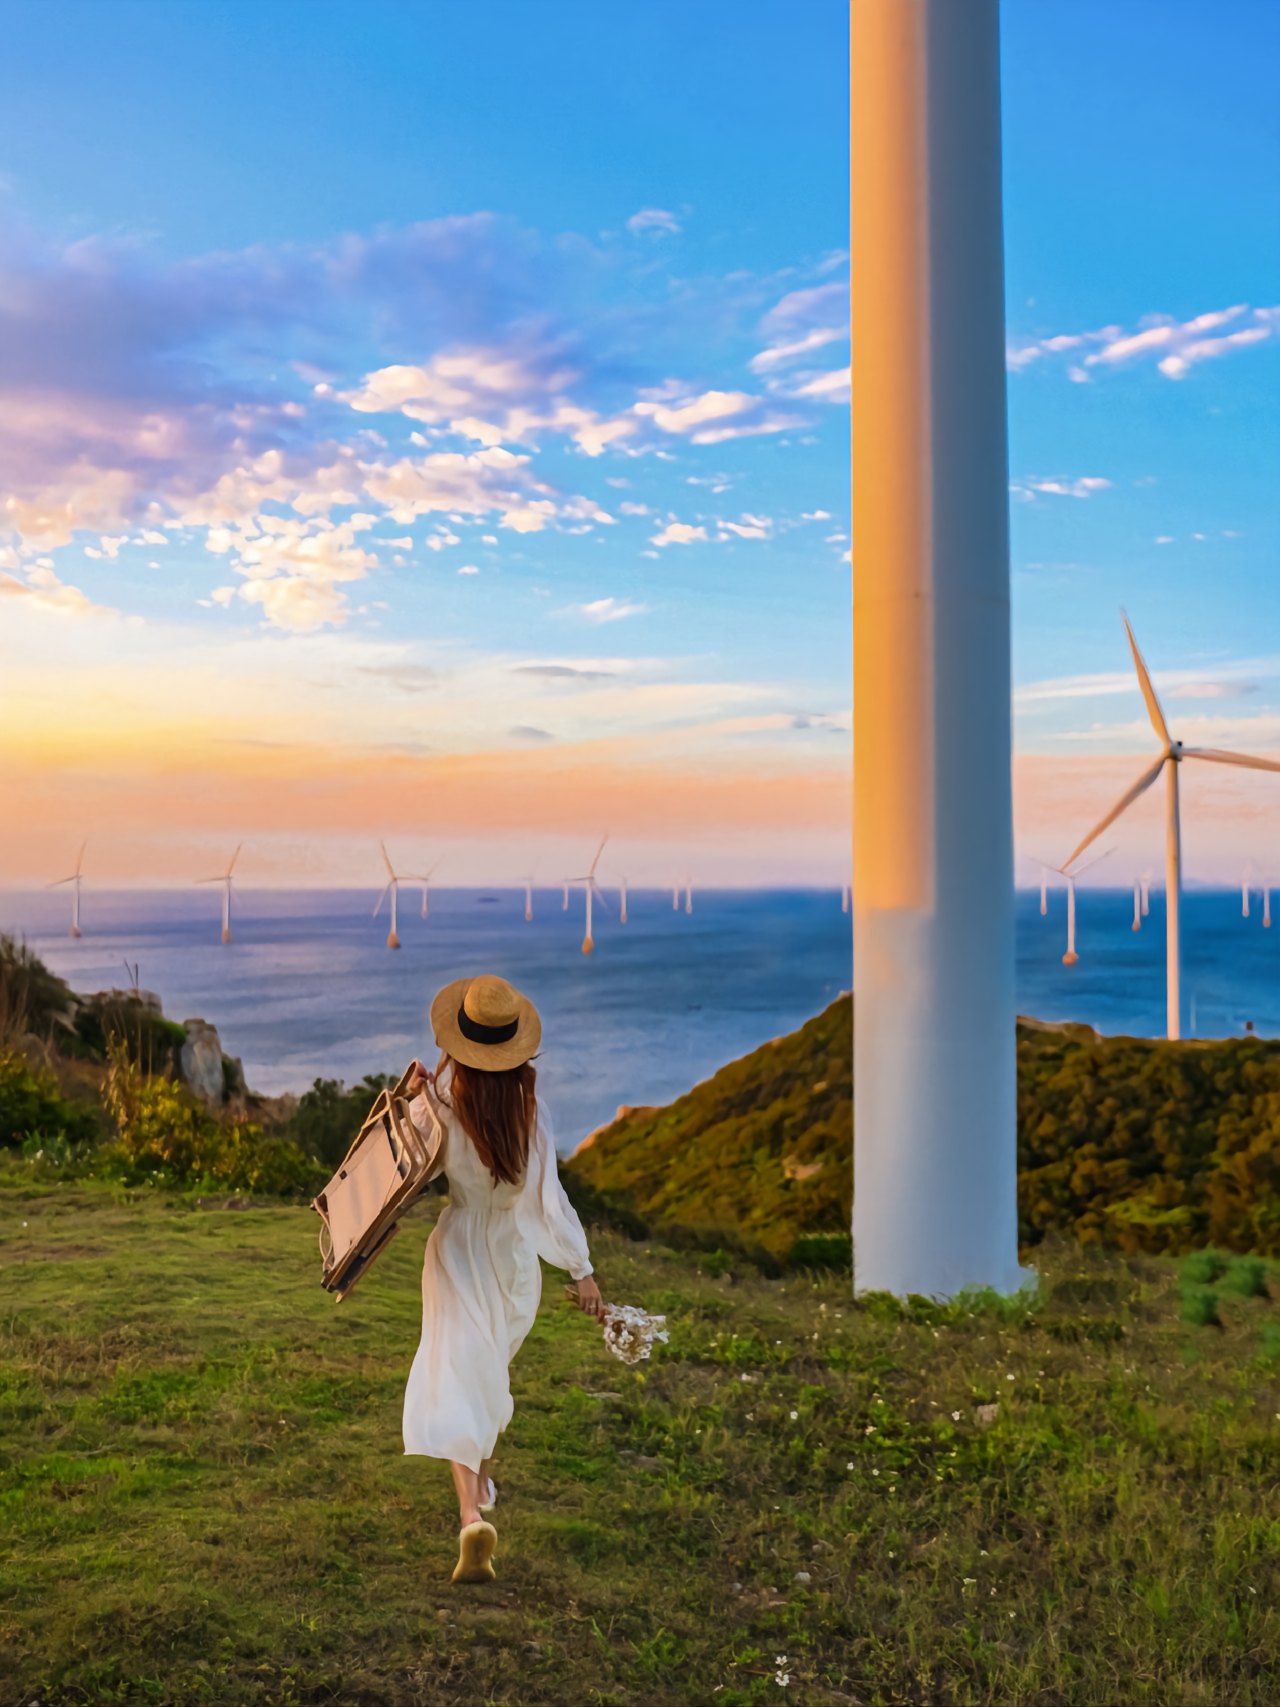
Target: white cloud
[832, 387]
[688, 416]
[777, 355]
[468, 569]
[656, 220]
[1176, 346]
[750, 527]
[1083, 486]
[679, 533]
[609, 610]
[816, 516]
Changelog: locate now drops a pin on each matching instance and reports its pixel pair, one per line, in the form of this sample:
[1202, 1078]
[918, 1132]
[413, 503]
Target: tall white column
[1173, 903]
[935, 1206]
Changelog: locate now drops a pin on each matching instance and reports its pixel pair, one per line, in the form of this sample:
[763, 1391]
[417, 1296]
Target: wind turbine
[225, 881]
[1172, 756]
[74, 880]
[565, 907]
[528, 898]
[844, 898]
[1071, 957]
[675, 897]
[1266, 905]
[688, 896]
[622, 900]
[1145, 881]
[394, 880]
[1045, 871]
[1244, 891]
[425, 881]
[589, 881]
[1137, 905]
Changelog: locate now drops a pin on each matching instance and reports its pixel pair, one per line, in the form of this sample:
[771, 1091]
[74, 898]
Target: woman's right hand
[419, 1078]
[587, 1297]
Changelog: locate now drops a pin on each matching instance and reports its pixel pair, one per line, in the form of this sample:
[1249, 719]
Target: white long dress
[480, 1290]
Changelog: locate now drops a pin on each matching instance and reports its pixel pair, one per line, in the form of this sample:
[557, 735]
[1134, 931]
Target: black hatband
[475, 1033]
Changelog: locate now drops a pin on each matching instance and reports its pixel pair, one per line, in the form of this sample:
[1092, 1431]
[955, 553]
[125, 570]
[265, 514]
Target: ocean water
[307, 988]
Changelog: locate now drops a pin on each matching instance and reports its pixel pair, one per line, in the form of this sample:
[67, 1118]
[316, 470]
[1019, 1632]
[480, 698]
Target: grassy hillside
[203, 1497]
[1147, 1145]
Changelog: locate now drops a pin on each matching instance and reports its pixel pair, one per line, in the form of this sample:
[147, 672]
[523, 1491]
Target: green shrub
[328, 1116]
[163, 1137]
[32, 1107]
[1270, 1337]
[822, 1250]
[1245, 1277]
[1199, 1307]
[1203, 1267]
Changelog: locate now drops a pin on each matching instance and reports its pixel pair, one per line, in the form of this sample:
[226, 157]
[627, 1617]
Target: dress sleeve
[553, 1224]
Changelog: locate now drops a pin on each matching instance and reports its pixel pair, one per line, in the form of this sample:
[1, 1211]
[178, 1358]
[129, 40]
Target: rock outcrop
[200, 1063]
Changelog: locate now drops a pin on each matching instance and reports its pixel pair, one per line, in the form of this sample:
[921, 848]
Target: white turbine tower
[1171, 757]
[588, 880]
[528, 898]
[622, 900]
[1071, 957]
[425, 881]
[1244, 891]
[844, 898]
[225, 881]
[74, 880]
[675, 898]
[392, 890]
[1145, 881]
[1137, 905]
[688, 896]
[565, 907]
[1266, 904]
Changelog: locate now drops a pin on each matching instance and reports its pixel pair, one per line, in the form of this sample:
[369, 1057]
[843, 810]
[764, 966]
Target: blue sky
[464, 383]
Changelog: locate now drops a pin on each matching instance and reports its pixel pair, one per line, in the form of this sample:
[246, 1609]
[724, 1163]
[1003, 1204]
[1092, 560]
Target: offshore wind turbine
[622, 900]
[844, 898]
[74, 880]
[1137, 905]
[225, 881]
[394, 880]
[1244, 891]
[425, 881]
[565, 907]
[675, 897]
[1071, 957]
[688, 896]
[1145, 881]
[588, 880]
[1266, 905]
[1174, 752]
[528, 898]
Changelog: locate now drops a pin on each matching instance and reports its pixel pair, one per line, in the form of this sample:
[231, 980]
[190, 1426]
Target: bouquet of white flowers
[630, 1332]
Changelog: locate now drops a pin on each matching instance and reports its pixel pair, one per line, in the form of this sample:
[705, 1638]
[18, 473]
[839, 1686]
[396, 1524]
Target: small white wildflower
[849, 1465]
[956, 1415]
[779, 1660]
[782, 1678]
[875, 1472]
[969, 1582]
[803, 1577]
[1009, 1378]
[795, 1416]
[870, 1429]
[983, 1552]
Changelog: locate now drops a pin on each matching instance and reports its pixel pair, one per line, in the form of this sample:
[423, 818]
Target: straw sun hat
[485, 1022]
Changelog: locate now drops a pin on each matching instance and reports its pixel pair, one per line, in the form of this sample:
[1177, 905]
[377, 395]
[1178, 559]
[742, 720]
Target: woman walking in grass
[480, 1278]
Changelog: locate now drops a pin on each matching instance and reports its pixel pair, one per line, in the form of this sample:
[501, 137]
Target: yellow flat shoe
[476, 1544]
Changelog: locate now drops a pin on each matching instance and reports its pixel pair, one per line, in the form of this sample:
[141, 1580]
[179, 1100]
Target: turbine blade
[600, 901]
[386, 860]
[1125, 801]
[58, 882]
[381, 899]
[80, 856]
[1080, 870]
[235, 856]
[595, 862]
[1217, 756]
[1154, 711]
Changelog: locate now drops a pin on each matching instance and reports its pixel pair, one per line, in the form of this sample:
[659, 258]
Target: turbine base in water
[393, 941]
[74, 931]
[1070, 959]
[226, 936]
[589, 946]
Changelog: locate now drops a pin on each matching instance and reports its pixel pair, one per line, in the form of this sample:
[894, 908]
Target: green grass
[203, 1497]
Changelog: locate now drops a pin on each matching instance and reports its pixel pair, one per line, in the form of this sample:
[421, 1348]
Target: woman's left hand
[587, 1297]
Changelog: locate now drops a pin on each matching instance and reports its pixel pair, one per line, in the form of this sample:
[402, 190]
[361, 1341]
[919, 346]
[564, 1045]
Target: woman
[480, 1277]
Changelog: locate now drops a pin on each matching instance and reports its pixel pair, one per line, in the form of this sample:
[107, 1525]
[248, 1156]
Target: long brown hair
[497, 1111]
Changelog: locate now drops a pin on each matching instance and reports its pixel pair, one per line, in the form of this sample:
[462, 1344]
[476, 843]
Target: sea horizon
[307, 988]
